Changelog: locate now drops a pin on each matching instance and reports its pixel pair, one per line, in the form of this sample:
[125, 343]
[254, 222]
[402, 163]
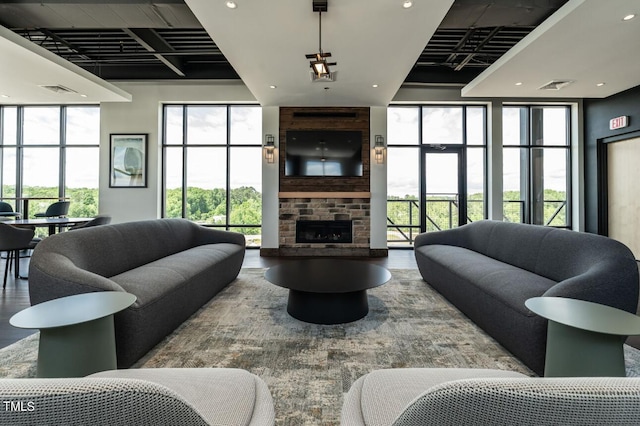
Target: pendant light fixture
[319, 65]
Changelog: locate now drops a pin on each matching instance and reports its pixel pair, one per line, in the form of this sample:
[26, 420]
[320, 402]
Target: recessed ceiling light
[83, 95]
[407, 4]
[629, 17]
[273, 86]
[600, 84]
[231, 4]
[5, 96]
[375, 85]
[519, 83]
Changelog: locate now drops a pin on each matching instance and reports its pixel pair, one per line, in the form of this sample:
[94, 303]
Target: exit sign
[619, 122]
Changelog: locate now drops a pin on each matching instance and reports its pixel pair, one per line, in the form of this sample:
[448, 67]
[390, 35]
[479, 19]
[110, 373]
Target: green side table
[76, 332]
[584, 339]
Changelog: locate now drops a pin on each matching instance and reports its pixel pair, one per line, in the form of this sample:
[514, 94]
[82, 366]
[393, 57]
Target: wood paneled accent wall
[324, 118]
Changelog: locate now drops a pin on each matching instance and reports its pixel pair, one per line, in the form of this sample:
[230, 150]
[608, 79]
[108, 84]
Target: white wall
[144, 115]
[378, 126]
[270, 180]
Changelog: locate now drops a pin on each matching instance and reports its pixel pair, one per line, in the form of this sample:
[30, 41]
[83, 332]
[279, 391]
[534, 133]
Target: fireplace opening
[324, 231]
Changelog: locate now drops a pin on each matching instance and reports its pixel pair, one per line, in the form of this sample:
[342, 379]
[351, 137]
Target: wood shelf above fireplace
[360, 194]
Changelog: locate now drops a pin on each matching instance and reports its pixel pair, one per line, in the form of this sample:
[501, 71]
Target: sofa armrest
[450, 237]
[597, 282]
[54, 276]
[206, 235]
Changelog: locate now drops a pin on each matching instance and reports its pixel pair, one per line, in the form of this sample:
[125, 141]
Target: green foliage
[209, 206]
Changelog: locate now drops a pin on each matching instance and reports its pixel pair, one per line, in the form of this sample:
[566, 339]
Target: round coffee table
[76, 332]
[327, 291]
[584, 338]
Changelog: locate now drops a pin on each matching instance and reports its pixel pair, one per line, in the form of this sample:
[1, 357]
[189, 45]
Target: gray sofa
[140, 397]
[173, 266]
[480, 397]
[488, 269]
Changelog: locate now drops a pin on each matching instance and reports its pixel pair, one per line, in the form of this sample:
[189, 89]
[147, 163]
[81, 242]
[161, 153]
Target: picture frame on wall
[128, 160]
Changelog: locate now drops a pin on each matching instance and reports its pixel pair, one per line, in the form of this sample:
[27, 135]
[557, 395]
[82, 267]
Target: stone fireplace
[329, 217]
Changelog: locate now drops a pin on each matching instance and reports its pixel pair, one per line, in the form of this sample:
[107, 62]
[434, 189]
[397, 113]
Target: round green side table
[76, 332]
[584, 339]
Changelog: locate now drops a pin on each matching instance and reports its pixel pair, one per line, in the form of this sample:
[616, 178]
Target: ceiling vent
[58, 89]
[556, 85]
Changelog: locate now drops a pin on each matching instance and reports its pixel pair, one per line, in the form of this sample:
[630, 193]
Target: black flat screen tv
[323, 153]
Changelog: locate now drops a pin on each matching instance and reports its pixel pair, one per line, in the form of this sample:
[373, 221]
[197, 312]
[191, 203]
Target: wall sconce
[379, 149]
[269, 148]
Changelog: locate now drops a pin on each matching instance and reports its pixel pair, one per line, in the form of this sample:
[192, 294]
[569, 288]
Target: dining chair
[101, 219]
[7, 210]
[57, 209]
[12, 240]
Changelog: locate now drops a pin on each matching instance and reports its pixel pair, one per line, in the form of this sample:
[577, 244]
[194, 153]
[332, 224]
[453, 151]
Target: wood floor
[15, 296]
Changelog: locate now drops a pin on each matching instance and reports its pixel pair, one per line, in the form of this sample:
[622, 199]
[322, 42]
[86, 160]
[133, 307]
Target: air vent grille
[321, 114]
[57, 88]
[556, 85]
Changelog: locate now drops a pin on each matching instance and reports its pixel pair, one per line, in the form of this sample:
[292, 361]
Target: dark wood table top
[325, 275]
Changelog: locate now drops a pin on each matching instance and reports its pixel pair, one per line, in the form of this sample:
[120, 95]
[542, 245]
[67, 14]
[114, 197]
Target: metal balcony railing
[404, 224]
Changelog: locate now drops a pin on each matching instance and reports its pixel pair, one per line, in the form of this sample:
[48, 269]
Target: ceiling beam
[152, 41]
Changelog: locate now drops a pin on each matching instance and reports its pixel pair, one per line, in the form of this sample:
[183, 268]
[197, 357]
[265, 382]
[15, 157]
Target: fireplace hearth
[324, 231]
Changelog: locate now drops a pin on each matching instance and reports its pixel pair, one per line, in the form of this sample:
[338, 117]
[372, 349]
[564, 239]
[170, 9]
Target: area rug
[308, 367]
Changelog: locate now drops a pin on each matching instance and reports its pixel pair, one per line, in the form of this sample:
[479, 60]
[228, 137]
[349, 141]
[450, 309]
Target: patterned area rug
[309, 367]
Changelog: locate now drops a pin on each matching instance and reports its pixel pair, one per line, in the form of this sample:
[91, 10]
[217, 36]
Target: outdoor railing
[403, 223]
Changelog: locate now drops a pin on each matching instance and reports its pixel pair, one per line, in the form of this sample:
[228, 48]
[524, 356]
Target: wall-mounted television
[323, 153]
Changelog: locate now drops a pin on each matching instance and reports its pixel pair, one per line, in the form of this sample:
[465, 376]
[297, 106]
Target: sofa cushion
[163, 276]
[505, 283]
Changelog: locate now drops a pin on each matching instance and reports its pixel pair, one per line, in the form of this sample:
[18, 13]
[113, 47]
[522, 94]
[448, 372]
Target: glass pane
[41, 126]
[441, 125]
[83, 126]
[475, 184]
[9, 125]
[246, 198]
[173, 182]
[402, 125]
[206, 183]
[555, 126]
[403, 189]
[475, 125]
[555, 186]
[40, 176]
[173, 125]
[246, 125]
[514, 184]
[82, 165]
[9, 174]
[514, 126]
[442, 191]
[206, 125]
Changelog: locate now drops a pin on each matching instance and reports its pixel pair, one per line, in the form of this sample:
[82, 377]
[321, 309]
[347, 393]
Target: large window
[212, 159]
[536, 165]
[436, 169]
[50, 151]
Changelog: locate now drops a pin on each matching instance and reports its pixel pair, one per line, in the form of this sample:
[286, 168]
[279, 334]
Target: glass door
[444, 195]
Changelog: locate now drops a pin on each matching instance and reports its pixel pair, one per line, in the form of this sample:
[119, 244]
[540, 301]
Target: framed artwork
[128, 160]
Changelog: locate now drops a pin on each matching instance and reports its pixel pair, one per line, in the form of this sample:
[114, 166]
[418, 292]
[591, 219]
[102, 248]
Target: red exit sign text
[619, 122]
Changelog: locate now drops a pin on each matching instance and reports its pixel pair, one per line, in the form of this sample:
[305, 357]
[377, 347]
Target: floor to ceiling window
[212, 163]
[436, 169]
[50, 151]
[536, 165]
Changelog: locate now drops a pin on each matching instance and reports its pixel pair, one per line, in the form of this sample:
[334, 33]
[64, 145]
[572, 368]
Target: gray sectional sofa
[488, 269]
[173, 266]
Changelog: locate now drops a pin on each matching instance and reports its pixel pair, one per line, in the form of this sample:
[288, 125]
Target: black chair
[96, 221]
[12, 240]
[57, 209]
[7, 210]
